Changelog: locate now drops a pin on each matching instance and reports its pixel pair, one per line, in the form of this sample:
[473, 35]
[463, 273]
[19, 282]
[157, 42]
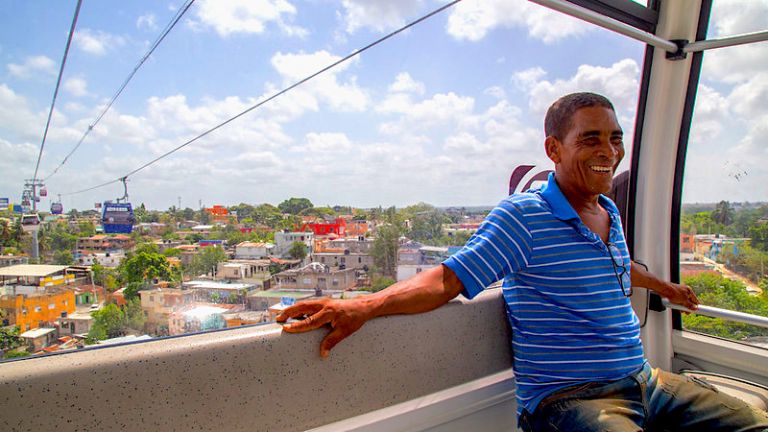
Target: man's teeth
[601, 168]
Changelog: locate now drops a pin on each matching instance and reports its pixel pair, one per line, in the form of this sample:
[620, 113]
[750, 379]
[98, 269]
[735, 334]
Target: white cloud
[147, 22]
[378, 15]
[77, 87]
[31, 65]
[339, 96]
[97, 42]
[496, 92]
[738, 63]
[325, 143]
[405, 84]
[247, 16]
[526, 79]
[473, 19]
[619, 83]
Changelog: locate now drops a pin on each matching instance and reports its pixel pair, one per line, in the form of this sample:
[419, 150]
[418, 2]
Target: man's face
[589, 153]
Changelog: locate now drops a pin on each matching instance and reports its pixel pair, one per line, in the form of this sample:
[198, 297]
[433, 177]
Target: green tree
[295, 206]
[134, 315]
[298, 250]
[207, 260]
[9, 338]
[232, 298]
[759, 235]
[142, 266]
[378, 283]
[86, 229]
[108, 322]
[267, 214]
[723, 213]
[63, 257]
[384, 250]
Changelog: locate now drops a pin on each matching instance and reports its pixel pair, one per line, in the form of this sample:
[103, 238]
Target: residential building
[356, 227]
[107, 259]
[164, 245]
[246, 271]
[263, 300]
[344, 260]
[219, 292]
[285, 239]
[10, 260]
[152, 228]
[317, 276]
[322, 227]
[87, 295]
[15, 278]
[187, 253]
[253, 250]
[104, 243]
[78, 323]
[39, 338]
[413, 258]
[39, 309]
[220, 215]
[358, 244]
[159, 303]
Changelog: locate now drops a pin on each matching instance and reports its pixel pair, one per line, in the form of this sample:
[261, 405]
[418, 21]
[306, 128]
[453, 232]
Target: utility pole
[29, 197]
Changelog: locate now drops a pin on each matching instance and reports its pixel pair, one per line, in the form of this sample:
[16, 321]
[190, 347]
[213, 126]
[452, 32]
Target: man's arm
[676, 293]
[423, 292]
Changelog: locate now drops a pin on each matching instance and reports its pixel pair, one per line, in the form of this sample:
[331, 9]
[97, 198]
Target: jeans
[649, 400]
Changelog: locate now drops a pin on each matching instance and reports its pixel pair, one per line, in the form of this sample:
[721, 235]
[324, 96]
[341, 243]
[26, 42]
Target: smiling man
[560, 250]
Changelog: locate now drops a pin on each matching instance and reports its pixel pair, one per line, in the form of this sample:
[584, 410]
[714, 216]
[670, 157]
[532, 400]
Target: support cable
[171, 24]
[273, 96]
[58, 83]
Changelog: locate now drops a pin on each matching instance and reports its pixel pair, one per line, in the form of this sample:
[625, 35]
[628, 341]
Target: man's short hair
[557, 122]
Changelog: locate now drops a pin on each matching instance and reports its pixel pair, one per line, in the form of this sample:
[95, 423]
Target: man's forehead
[590, 120]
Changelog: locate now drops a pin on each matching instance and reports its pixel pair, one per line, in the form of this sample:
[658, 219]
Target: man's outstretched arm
[424, 292]
[676, 293]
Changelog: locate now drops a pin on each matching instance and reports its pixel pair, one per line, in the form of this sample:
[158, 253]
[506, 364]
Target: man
[578, 357]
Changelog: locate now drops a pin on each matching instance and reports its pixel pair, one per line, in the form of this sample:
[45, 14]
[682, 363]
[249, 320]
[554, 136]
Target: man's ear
[552, 147]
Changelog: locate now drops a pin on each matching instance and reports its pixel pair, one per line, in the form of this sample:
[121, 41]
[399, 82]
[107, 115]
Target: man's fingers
[330, 341]
[298, 310]
[310, 323]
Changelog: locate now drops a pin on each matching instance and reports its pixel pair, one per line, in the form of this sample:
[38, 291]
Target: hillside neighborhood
[184, 271]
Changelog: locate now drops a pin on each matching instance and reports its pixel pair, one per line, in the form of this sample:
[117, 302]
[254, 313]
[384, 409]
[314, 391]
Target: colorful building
[320, 228]
[30, 311]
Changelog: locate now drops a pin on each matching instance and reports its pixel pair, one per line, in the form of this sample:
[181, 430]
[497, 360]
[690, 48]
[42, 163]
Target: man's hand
[344, 316]
[682, 295]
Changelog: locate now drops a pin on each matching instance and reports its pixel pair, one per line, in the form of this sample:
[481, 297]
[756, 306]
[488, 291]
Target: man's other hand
[682, 295]
[344, 317]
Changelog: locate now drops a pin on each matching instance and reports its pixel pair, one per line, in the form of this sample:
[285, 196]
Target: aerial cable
[58, 83]
[171, 24]
[275, 95]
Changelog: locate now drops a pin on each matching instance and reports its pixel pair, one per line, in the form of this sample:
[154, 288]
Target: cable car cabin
[450, 369]
[57, 208]
[30, 222]
[117, 218]
[43, 192]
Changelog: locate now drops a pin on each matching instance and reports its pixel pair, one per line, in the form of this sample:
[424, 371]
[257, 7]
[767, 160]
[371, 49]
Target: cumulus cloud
[738, 63]
[326, 88]
[405, 84]
[97, 42]
[618, 82]
[147, 22]
[32, 65]
[77, 87]
[246, 16]
[378, 15]
[473, 19]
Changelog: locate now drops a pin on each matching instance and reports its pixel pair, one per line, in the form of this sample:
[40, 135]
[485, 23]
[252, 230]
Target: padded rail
[256, 378]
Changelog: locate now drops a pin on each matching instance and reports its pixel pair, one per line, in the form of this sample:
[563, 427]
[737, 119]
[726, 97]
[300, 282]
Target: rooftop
[31, 270]
[217, 285]
[36, 333]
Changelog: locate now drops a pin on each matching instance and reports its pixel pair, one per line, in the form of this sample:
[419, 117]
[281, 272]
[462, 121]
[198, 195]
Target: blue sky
[441, 114]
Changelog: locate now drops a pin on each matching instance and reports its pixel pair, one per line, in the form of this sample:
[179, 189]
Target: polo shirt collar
[561, 208]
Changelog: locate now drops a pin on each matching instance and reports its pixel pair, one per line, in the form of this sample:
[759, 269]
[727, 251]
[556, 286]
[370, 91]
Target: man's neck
[582, 203]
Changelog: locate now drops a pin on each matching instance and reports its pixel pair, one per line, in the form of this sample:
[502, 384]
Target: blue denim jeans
[649, 400]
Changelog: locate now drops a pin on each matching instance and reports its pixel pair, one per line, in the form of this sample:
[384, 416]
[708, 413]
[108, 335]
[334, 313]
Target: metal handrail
[609, 23]
[726, 41]
[714, 312]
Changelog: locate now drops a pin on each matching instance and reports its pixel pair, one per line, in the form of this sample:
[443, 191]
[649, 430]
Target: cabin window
[724, 215]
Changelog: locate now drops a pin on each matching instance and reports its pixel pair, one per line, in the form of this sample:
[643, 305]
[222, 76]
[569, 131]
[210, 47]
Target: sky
[441, 113]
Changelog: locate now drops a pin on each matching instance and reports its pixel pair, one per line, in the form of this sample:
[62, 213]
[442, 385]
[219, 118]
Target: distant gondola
[57, 208]
[117, 218]
[30, 222]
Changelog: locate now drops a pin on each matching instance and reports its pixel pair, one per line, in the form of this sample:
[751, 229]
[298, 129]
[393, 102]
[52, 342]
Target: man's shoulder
[525, 203]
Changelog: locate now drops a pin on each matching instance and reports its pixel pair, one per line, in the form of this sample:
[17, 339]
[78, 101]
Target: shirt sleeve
[499, 247]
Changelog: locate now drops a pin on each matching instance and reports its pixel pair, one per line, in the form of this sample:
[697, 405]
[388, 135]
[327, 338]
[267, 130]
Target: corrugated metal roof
[36, 333]
[31, 270]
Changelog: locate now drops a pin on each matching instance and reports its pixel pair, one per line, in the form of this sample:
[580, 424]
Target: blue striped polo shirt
[570, 320]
